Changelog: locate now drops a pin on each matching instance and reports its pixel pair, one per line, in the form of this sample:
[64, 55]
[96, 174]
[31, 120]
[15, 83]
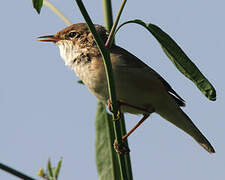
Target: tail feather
[174, 114]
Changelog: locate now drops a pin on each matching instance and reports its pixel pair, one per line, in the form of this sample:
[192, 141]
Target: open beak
[49, 38]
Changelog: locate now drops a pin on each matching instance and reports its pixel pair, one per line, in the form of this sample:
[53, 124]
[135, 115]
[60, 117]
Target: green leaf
[106, 157]
[57, 170]
[37, 4]
[179, 59]
[49, 169]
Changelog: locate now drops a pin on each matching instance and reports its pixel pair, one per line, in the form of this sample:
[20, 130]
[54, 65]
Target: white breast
[68, 51]
[71, 55]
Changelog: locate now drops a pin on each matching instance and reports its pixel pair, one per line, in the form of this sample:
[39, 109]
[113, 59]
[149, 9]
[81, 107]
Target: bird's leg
[123, 148]
[145, 115]
[136, 126]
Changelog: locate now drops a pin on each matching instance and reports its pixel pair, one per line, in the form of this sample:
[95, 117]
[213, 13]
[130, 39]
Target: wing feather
[131, 61]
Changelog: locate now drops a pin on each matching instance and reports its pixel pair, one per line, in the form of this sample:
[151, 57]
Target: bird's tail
[175, 115]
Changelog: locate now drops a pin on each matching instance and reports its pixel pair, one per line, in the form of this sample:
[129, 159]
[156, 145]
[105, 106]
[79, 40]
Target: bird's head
[74, 40]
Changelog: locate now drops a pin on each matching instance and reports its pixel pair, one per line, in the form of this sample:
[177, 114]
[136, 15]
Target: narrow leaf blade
[179, 59]
[106, 157]
[57, 170]
[49, 169]
[37, 4]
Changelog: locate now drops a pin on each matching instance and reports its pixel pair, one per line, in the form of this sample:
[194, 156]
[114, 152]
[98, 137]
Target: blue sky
[45, 113]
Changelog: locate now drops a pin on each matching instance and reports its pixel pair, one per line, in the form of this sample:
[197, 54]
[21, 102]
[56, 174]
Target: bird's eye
[72, 34]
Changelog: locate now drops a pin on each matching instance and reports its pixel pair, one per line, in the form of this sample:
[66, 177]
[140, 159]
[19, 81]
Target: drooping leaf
[179, 59]
[106, 157]
[37, 4]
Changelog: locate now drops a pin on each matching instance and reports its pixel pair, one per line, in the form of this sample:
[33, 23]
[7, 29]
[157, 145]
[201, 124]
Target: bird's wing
[165, 106]
[173, 93]
[131, 61]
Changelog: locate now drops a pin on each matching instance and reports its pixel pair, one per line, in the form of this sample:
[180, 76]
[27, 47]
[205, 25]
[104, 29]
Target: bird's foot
[118, 116]
[121, 148]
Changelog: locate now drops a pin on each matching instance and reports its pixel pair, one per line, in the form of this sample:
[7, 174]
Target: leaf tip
[37, 4]
[211, 94]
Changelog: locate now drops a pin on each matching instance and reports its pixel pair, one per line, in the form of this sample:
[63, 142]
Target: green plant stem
[110, 80]
[108, 19]
[105, 55]
[127, 156]
[110, 39]
[56, 11]
[15, 172]
[108, 15]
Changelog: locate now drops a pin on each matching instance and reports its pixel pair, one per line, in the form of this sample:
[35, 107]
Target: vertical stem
[110, 81]
[108, 15]
[108, 19]
[127, 156]
[110, 39]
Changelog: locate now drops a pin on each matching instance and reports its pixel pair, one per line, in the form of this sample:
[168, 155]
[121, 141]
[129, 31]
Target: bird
[139, 89]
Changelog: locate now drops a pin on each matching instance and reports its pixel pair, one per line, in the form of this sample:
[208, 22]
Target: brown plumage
[136, 83]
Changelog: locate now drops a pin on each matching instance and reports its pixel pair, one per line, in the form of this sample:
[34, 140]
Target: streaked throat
[69, 51]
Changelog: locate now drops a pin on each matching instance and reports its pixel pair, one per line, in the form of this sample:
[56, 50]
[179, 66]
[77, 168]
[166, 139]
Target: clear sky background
[45, 113]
